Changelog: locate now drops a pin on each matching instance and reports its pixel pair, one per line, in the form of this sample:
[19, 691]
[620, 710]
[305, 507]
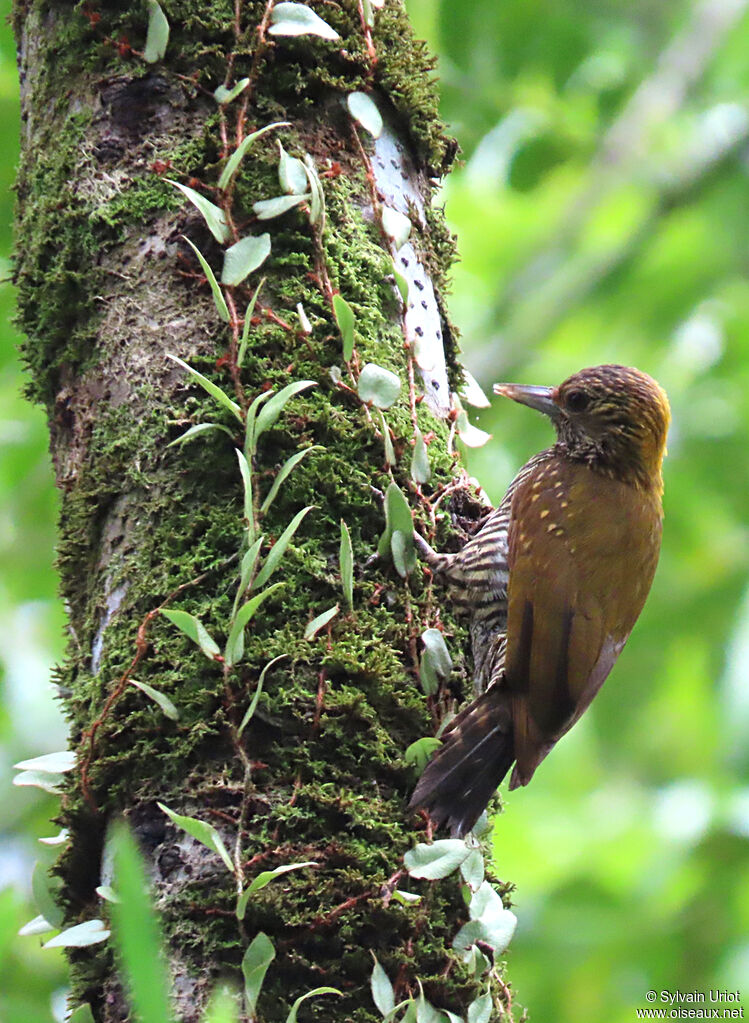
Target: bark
[107, 289]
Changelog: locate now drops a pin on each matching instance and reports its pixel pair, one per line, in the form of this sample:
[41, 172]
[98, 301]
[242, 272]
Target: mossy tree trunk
[108, 289]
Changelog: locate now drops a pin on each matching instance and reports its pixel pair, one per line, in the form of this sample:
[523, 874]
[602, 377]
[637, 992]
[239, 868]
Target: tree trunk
[109, 289]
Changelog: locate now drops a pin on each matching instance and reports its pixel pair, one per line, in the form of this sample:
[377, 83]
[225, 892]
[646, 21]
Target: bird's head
[615, 418]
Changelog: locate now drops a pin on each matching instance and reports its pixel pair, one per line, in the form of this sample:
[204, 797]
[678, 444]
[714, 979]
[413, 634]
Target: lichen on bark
[107, 290]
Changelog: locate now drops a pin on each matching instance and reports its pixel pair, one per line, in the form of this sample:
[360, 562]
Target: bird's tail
[477, 752]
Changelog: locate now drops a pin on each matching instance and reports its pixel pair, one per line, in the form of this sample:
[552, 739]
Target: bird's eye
[577, 401]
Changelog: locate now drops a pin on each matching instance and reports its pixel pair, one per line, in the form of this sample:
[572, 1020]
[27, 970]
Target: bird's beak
[539, 398]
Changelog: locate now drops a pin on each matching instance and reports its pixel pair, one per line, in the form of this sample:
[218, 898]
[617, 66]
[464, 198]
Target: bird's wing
[578, 556]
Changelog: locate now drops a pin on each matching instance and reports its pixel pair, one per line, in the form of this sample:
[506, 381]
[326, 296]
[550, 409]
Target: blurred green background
[602, 212]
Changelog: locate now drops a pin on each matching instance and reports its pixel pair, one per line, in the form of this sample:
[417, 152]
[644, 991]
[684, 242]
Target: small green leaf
[288, 467]
[378, 385]
[159, 698]
[401, 284]
[471, 436]
[196, 430]
[420, 469]
[273, 408]
[91, 932]
[472, 869]
[382, 990]
[262, 880]
[437, 860]
[387, 441]
[194, 629]
[292, 176]
[346, 563]
[235, 643]
[490, 922]
[243, 257]
[45, 893]
[425, 1011]
[436, 663]
[82, 1014]
[363, 109]
[49, 763]
[40, 780]
[202, 832]
[255, 963]
[59, 839]
[107, 893]
[471, 391]
[419, 753]
[250, 439]
[292, 19]
[36, 926]
[157, 36]
[480, 1009]
[291, 1018]
[396, 226]
[344, 315]
[218, 295]
[232, 164]
[406, 898]
[369, 17]
[247, 323]
[403, 552]
[249, 713]
[215, 392]
[247, 567]
[320, 622]
[278, 549]
[397, 516]
[246, 474]
[267, 209]
[213, 215]
[317, 196]
[222, 95]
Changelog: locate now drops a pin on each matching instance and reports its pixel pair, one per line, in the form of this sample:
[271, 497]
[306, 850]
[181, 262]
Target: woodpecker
[554, 582]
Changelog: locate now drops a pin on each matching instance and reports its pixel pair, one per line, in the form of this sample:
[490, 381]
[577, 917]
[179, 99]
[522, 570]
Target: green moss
[140, 519]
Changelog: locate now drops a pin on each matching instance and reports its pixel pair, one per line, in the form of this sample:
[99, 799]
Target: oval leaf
[243, 257]
[194, 629]
[39, 780]
[378, 385]
[420, 468]
[157, 36]
[344, 315]
[255, 963]
[49, 763]
[471, 436]
[223, 95]
[480, 1009]
[396, 226]
[437, 860]
[382, 990]
[266, 209]
[363, 109]
[89, 933]
[292, 176]
[291, 19]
